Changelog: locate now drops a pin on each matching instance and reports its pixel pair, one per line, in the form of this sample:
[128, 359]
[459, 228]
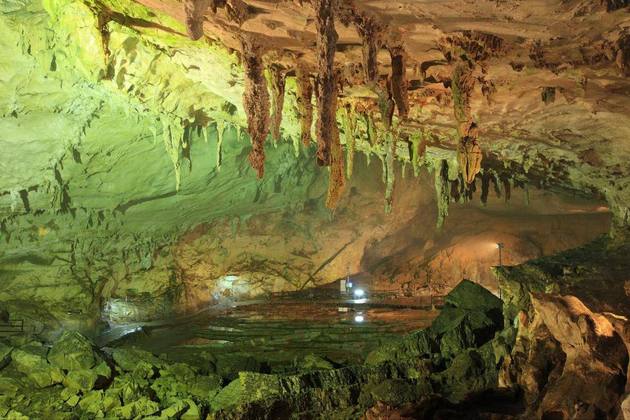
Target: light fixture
[359, 318]
[359, 293]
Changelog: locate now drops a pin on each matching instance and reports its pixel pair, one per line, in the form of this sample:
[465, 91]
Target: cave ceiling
[538, 89]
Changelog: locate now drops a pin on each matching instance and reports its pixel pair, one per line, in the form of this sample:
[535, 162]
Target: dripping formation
[264, 97]
[256, 103]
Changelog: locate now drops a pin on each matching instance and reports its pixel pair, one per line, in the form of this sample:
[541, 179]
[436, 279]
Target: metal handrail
[12, 326]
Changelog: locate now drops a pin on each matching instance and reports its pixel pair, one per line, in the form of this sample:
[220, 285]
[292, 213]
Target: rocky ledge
[555, 358]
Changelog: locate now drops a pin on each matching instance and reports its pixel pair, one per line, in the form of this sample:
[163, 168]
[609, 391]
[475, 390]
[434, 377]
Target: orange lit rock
[256, 103]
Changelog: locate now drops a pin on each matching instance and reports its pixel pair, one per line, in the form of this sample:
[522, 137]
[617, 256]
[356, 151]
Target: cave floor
[273, 334]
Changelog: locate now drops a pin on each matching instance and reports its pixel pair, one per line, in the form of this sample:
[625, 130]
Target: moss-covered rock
[473, 297]
[72, 351]
[31, 361]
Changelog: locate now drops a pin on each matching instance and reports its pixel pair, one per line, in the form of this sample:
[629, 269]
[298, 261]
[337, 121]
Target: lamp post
[500, 247]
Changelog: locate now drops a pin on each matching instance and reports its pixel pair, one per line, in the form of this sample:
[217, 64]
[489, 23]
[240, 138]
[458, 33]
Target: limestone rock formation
[570, 361]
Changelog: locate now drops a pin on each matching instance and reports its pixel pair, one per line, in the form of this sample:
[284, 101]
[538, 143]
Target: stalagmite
[326, 86]
[277, 79]
[256, 103]
[398, 81]
[469, 153]
[195, 10]
[442, 191]
[304, 103]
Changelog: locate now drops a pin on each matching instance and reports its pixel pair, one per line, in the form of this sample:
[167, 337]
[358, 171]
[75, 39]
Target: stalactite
[398, 81]
[326, 86]
[485, 187]
[186, 146]
[195, 11]
[216, 4]
[526, 194]
[496, 184]
[173, 137]
[442, 191]
[256, 104]
[204, 132]
[469, 154]
[418, 149]
[454, 191]
[507, 187]
[385, 104]
[390, 158]
[383, 169]
[220, 130]
[349, 129]
[102, 21]
[370, 128]
[277, 79]
[370, 32]
[462, 85]
[304, 103]
[337, 180]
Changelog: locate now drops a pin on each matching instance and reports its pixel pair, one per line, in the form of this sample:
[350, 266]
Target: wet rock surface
[558, 358]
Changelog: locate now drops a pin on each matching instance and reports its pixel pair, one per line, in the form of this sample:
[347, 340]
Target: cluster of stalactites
[256, 103]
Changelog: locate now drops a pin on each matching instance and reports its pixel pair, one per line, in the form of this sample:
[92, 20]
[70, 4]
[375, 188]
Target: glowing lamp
[359, 293]
[359, 318]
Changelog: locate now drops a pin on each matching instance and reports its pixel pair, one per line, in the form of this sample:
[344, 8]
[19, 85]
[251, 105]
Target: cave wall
[124, 175]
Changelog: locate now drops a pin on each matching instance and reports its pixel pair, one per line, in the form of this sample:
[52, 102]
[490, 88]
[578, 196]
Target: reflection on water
[280, 331]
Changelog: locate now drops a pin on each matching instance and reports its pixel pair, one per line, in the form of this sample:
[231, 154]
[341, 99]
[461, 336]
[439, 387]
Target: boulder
[92, 402]
[193, 412]
[133, 359]
[594, 375]
[471, 371]
[72, 351]
[175, 410]
[140, 408]
[569, 361]
[80, 379]
[31, 361]
[473, 297]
